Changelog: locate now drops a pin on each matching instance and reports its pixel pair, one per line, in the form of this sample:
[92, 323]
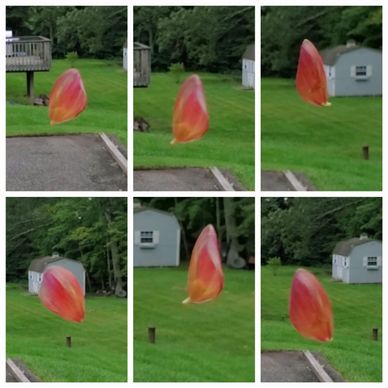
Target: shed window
[147, 237]
[371, 262]
[361, 71]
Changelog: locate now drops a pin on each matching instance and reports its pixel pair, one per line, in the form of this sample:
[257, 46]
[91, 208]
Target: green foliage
[208, 342]
[106, 86]
[177, 70]
[98, 32]
[305, 230]
[74, 227]
[357, 309]
[298, 136]
[274, 263]
[203, 38]
[72, 57]
[284, 28]
[37, 336]
[229, 142]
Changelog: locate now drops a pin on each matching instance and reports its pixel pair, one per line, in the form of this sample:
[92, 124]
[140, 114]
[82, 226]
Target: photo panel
[194, 100]
[66, 98]
[66, 289]
[321, 289]
[321, 98]
[194, 289]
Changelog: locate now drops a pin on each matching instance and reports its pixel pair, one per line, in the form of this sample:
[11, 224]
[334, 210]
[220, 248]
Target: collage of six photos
[135, 210]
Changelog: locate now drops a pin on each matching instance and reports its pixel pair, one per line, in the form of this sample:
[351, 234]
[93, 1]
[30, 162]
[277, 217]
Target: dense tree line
[284, 28]
[304, 231]
[91, 230]
[202, 38]
[99, 32]
[233, 219]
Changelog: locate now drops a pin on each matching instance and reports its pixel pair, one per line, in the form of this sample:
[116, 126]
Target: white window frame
[361, 72]
[147, 238]
[375, 260]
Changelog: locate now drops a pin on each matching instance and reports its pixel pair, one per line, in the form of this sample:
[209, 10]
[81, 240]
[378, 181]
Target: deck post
[30, 84]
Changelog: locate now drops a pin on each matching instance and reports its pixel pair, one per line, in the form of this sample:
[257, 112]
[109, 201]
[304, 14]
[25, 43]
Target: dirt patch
[181, 179]
[62, 163]
[277, 181]
[10, 378]
[292, 366]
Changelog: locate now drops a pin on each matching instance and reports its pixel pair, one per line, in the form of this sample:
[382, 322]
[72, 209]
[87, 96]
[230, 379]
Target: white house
[248, 67]
[357, 260]
[156, 238]
[125, 57]
[38, 266]
[353, 70]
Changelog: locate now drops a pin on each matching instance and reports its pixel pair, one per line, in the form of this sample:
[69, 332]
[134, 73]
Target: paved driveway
[61, 163]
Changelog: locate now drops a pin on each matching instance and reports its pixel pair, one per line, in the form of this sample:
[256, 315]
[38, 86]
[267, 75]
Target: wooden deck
[28, 54]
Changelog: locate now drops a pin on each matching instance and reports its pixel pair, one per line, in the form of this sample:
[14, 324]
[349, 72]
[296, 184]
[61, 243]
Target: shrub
[274, 263]
[177, 69]
[72, 57]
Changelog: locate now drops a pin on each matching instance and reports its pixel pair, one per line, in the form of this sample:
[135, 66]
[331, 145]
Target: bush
[177, 69]
[72, 57]
[274, 263]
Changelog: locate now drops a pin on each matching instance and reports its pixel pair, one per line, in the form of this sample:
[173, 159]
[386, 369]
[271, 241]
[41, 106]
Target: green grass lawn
[106, 86]
[206, 342]
[229, 142]
[37, 337]
[323, 143]
[357, 309]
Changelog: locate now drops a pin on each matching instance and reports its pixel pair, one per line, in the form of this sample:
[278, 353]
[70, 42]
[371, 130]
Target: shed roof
[40, 263]
[330, 55]
[344, 247]
[249, 52]
[140, 46]
[140, 209]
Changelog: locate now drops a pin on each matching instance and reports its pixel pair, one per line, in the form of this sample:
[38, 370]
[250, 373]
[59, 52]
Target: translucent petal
[205, 278]
[68, 97]
[61, 293]
[310, 76]
[310, 308]
[190, 117]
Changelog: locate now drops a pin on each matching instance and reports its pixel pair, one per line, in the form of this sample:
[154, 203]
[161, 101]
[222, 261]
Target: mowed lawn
[106, 86]
[325, 143]
[229, 142]
[37, 337]
[357, 309]
[213, 341]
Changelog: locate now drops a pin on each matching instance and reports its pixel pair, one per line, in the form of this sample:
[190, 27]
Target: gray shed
[156, 238]
[141, 65]
[39, 264]
[248, 67]
[125, 56]
[353, 70]
[358, 260]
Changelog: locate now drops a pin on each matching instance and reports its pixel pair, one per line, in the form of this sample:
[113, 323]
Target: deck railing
[28, 53]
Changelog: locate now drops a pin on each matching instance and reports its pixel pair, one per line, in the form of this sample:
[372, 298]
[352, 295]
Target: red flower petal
[205, 278]
[310, 76]
[190, 117]
[61, 293]
[68, 97]
[310, 308]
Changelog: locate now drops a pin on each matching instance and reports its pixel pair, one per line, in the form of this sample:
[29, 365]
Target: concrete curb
[116, 154]
[222, 181]
[317, 368]
[17, 372]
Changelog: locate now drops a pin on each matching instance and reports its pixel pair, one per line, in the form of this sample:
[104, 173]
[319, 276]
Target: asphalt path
[277, 181]
[62, 163]
[180, 179]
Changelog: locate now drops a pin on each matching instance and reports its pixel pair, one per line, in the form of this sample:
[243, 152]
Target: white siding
[248, 73]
